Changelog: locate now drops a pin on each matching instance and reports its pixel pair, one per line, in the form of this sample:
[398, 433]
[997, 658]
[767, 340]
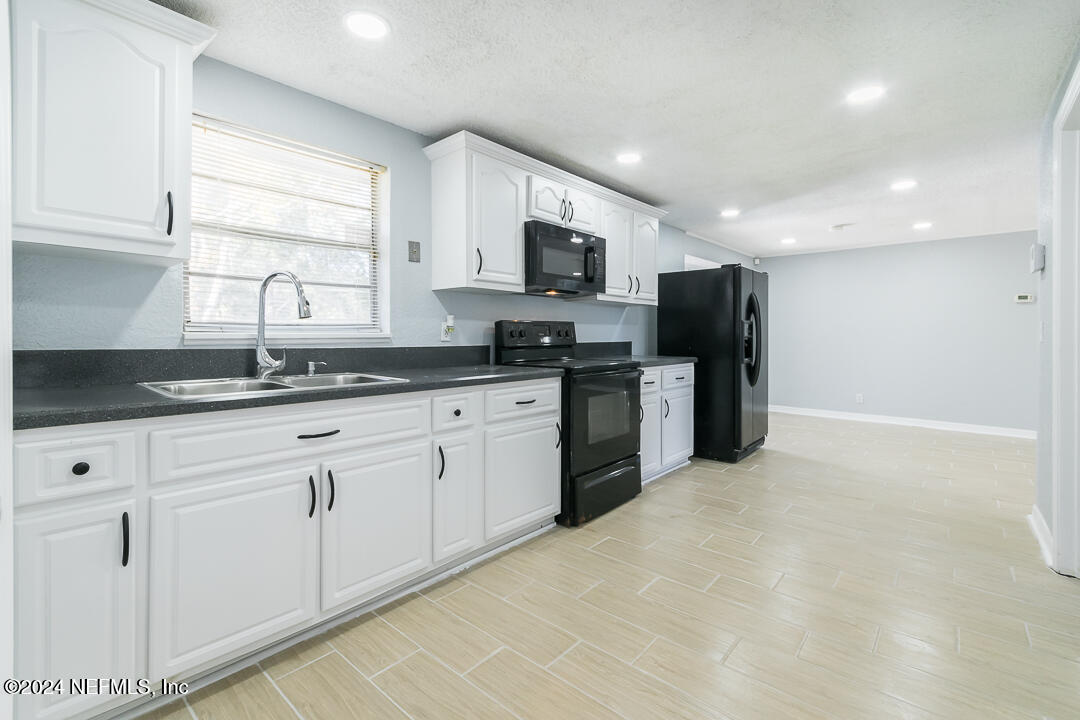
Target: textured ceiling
[730, 103]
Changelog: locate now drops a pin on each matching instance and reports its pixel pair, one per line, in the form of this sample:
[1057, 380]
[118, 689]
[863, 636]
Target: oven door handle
[590, 264]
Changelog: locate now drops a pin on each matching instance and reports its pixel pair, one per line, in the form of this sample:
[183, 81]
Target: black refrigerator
[720, 316]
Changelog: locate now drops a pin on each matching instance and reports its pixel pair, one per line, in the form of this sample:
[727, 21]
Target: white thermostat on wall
[1038, 257]
[1025, 298]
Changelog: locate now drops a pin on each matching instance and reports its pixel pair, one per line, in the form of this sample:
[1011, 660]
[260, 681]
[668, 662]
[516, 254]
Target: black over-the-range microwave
[562, 262]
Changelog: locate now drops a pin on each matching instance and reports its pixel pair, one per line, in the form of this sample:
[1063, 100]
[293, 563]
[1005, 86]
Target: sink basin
[248, 387]
[215, 388]
[336, 380]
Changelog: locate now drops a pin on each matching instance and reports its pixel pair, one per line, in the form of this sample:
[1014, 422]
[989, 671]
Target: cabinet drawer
[678, 376]
[522, 401]
[61, 468]
[205, 449]
[454, 412]
[650, 380]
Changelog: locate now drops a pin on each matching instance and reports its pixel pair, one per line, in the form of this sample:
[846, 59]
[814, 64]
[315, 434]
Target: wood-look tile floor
[847, 570]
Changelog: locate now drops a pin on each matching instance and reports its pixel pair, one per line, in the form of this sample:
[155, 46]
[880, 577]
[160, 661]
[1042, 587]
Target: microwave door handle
[590, 264]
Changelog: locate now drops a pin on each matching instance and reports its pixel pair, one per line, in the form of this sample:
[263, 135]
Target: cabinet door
[231, 564]
[521, 474]
[458, 487]
[650, 434]
[498, 201]
[646, 243]
[376, 527]
[547, 200]
[583, 211]
[75, 603]
[102, 111]
[677, 434]
[617, 228]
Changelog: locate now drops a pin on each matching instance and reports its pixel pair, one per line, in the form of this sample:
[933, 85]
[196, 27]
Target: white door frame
[1064, 260]
[7, 537]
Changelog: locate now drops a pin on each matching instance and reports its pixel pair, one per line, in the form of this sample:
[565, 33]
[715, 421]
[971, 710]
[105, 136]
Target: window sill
[306, 339]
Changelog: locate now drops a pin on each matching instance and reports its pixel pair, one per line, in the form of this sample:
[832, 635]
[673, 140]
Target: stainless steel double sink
[254, 387]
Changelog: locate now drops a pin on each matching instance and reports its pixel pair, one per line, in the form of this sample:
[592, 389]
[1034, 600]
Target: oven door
[603, 418]
[560, 261]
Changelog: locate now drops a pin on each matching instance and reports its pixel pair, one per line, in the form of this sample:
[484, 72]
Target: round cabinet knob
[80, 468]
[457, 412]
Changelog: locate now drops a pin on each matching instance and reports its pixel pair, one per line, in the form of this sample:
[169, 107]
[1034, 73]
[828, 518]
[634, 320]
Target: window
[261, 204]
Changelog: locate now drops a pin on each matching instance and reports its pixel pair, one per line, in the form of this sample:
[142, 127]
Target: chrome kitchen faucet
[267, 363]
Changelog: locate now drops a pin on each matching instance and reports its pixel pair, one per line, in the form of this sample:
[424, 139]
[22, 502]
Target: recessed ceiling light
[863, 95]
[730, 212]
[788, 241]
[902, 185]
[924, 225]
[366, 25]
[628, 158]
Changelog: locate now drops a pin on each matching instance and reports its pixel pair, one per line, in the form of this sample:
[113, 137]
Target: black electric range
[601, 404]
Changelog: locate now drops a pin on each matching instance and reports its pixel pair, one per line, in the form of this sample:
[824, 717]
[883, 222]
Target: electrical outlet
[858, 398]
[447, 333]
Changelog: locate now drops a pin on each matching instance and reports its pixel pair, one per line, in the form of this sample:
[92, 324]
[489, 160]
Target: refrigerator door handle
[753, 347]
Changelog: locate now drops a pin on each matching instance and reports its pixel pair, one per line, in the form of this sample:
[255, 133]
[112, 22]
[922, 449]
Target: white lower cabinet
[376, 520]
[231, 564]
[254, 542]
[521, 474]
[677, 426]
[457, 494]
[650, 434]
[76, 603]
[667, 418]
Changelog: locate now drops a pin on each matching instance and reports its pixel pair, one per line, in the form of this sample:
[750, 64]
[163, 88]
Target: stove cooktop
[582, 364]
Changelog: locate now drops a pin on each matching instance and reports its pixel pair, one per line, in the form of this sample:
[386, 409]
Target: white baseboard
[1042, 535]
[911, 422]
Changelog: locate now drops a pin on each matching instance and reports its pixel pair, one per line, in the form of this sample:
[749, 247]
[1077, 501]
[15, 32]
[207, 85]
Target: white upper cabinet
[547, 200]
[498, 202]
[101, 124]
[646, 245]
[483, 193]
[556, 203]
[617, 228]
[582, 211]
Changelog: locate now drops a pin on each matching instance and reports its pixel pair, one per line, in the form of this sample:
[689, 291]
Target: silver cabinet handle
[562, 209]
[571, 218]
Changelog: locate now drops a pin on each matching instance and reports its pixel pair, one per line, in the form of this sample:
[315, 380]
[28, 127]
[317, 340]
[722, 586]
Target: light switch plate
[414, 251]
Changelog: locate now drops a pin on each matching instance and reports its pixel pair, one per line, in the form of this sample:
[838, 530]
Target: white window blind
[261, 204]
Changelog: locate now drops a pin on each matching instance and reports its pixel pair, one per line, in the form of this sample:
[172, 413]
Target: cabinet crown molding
[162, 20]
[467, 140]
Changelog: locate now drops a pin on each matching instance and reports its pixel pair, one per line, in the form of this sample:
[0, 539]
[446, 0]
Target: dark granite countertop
[47, 407]
[658, 360]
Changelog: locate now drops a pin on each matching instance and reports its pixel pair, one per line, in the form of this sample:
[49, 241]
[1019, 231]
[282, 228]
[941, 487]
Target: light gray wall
[62, 303]
[675, 244]
[925, 330]
[1043, 486]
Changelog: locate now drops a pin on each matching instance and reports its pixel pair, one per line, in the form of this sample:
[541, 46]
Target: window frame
[299, 336]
